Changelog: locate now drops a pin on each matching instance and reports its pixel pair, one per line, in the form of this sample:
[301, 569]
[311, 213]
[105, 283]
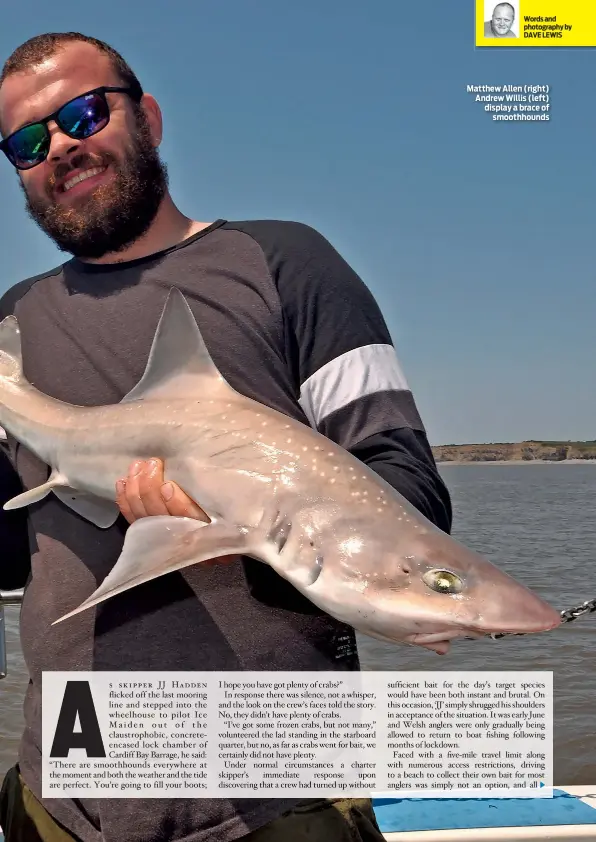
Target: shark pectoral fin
[179, 363]
[102, 513]
[157, 545]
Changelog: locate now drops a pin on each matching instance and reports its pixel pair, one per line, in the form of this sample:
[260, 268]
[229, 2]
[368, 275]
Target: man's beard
[114, 215]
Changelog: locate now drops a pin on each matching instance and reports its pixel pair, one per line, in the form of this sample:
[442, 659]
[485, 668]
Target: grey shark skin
[273, 488]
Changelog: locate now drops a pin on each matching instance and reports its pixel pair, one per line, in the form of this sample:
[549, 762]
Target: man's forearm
[403, 458]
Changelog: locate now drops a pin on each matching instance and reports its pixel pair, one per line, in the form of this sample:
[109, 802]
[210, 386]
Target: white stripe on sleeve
[355, 374]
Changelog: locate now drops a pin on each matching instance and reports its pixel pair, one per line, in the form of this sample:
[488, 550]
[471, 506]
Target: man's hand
[144, 493]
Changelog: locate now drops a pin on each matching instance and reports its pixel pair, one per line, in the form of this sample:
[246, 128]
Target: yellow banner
[536, 23]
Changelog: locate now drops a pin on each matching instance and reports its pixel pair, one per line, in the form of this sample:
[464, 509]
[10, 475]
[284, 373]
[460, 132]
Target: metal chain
[573, 613]
[567, 616]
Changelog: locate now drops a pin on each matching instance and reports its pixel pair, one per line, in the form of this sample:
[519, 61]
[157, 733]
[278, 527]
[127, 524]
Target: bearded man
[286, 320]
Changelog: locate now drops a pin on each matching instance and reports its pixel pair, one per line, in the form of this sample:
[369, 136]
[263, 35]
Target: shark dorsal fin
[179, 363]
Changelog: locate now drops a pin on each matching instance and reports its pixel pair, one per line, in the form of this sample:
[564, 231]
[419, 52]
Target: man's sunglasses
[81, 117]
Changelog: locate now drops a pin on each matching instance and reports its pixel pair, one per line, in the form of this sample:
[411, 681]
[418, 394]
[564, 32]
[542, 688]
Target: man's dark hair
[41, 47]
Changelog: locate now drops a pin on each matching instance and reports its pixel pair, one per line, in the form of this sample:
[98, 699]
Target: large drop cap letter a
[77, 699]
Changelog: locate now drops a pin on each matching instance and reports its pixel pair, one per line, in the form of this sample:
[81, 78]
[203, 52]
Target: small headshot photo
[503, 20]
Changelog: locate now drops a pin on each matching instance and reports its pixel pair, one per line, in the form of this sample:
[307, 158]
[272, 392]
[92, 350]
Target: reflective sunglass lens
[29, 146]
[84, 116]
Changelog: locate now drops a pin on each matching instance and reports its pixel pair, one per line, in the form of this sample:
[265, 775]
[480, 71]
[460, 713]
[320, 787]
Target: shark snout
[459, 593]
[510, 610]
[518, 612]
[500, 610]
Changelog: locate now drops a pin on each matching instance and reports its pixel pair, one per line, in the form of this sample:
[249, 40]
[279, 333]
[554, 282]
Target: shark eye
[443, 581]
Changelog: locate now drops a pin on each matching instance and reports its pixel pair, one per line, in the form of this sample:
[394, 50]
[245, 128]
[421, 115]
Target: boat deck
[569, 815]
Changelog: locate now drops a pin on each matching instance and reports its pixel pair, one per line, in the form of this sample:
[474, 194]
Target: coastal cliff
[525, 451]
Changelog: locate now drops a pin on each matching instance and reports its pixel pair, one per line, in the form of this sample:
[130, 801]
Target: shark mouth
[440, 641]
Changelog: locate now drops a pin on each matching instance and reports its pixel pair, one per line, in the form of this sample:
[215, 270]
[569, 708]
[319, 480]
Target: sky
[476, 237]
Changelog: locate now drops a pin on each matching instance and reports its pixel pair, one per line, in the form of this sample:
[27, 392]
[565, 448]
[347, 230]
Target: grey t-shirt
[284, 318]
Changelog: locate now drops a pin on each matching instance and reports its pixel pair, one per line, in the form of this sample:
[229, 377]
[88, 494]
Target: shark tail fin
[11, 360]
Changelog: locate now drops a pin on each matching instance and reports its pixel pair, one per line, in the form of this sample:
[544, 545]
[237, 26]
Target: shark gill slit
[280, 531]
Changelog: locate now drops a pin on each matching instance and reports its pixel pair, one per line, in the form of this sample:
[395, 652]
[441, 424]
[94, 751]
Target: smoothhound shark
[273, 488]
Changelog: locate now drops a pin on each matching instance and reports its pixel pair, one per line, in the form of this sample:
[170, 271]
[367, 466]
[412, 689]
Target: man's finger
[150, 480]
[134, 502]
[122, 500]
